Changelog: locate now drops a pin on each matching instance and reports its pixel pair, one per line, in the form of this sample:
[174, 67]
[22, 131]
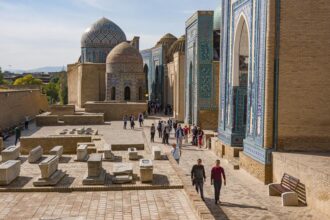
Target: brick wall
[69, 143]
[115, 111]
[304, 93]
[15, 105]
[208, 120]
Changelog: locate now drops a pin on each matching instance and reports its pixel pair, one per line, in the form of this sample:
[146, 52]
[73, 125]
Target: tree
[51, 90]
[1, 77]
[27, 80]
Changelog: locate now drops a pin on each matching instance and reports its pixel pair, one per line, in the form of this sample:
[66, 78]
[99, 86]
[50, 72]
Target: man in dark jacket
[198, 177]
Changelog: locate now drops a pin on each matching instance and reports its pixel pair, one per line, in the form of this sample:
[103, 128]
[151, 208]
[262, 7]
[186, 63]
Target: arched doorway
[113, 93]
[146, 73]
[240, 77]
[127, 93]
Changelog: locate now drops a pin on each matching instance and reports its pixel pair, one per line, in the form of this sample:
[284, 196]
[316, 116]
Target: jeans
[199, 187]
[217, 187]
[152, 137]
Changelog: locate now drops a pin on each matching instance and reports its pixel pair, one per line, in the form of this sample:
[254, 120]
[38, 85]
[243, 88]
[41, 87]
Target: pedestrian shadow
[235, 205]
[215, 209]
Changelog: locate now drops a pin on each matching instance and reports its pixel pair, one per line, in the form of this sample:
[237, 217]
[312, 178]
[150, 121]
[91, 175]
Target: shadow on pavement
[215, 209]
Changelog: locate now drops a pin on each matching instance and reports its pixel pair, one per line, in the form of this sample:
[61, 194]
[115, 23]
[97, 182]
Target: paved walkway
[244, 197]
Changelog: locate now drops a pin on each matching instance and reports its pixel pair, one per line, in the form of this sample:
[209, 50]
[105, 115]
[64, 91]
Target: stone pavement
[126, 205]
[244, 197]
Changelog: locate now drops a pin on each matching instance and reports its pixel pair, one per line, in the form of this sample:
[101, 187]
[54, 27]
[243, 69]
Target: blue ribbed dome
[103, 34]
[217, 18]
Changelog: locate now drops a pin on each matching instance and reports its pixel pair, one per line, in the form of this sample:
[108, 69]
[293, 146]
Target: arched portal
[127, 93]
[140, 93]
[240, 76]
[113, 93]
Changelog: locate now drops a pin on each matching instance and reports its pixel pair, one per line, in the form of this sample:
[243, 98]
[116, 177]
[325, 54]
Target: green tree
[1, 77]
[51, 90]
[27, 80]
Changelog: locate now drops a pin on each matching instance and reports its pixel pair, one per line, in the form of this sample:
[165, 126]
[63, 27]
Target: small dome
[124, 53]
[102, 34]
[177, 46]
[167, 40]
[217, 18]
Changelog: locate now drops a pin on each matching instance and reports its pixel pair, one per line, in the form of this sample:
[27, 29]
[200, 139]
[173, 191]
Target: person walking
[17, 134]
[141, 119]
[176, 153]
[125, 121]
[198, 177]
[200, 137]
[132, 122]
[194, 135]
[179, 134]
[217, 174]
[164, 133]
[152, 133]
[186, 133]
[167, 133]
[26, 122]
[159, 129]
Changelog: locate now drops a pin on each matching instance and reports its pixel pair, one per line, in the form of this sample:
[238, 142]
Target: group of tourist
[197, 136]
[154, 108]
[131, 120]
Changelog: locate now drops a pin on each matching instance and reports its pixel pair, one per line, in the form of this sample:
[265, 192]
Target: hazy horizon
[39, 33]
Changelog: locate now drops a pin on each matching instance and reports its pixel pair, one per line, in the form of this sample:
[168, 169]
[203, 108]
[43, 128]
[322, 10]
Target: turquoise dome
[217, 18]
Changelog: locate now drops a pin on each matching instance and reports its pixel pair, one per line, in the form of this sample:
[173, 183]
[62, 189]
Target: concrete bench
[10, 153]
[286, 189]
[82, 152]
[35, 154]
[9, 171]
[156, 153]
[132, 153]
[57, 150]
[48, 166]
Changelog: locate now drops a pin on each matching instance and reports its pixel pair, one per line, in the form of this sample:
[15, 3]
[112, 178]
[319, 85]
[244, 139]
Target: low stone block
[156, 153]
[290, 199]
[96, 174]
[82, 152]
[146, 170]
[9, 171]
[107, 152]
[272, 191]
[122, 169]
[48, 166]
[94, 165]
[52, 180]
[122, 179]
[35, 154]
[10, 153]
[133, 154]
[57, 150]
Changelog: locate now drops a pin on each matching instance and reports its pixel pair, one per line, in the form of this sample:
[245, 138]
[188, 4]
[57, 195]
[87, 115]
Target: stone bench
[146, 170]
[50, 175]
[156, 153]
[35, 154]
[96, 173]
[9, 171]
[133, 153]
[10, 153]
[82, 152]
[57, 150]
[107, 152]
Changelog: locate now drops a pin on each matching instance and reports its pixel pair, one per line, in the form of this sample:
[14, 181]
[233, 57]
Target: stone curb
[94, 188]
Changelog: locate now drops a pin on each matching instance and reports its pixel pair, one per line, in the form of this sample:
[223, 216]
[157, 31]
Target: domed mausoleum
[99, 39]
[125, 79]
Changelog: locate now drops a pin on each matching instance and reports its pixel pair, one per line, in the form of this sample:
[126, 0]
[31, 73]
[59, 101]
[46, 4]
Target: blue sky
[37, 33]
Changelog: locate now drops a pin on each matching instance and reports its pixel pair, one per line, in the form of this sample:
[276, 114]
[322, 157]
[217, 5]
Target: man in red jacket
[217, 174]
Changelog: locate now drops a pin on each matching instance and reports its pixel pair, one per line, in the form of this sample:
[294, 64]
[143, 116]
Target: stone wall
[48, 119]
[260, 171]
[15, 105]
[115, 111]
[179, 85]
[62, 109]
[304, 92]
[315, 177]
[86, 82]
[69, 143]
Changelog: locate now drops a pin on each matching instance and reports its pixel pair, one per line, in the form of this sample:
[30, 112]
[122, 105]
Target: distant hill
[41, 69]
